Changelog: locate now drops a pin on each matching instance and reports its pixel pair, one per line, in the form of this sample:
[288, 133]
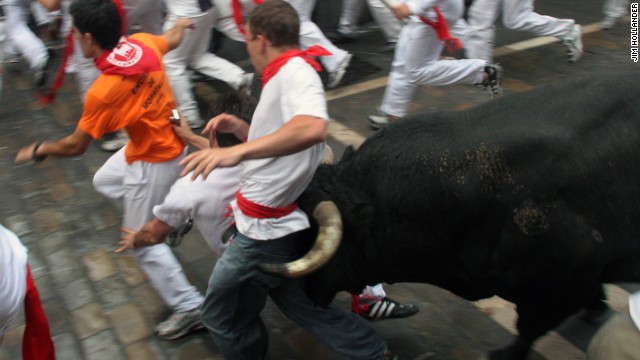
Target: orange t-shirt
[141, 104]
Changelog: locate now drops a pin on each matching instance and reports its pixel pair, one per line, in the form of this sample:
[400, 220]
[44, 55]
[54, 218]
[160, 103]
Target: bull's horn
[328, 217]
[328, 155]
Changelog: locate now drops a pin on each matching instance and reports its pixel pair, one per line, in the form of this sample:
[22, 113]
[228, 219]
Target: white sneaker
[336, 76]
[380, 120]
[573, 42]
[115, 144]
[180, 324]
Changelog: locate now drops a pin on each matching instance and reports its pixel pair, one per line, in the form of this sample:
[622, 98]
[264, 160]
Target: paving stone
[128, 323]
[130, 270]
[151, 303]
[77, 293]
[195, 349]
[99, 265]
[67, 348]
[113, 291]
[89, 320]
[63, 266]
[19, 224]
[102, 346]
[46, 221]
[143, 350]
[53, 242]
[57, 315]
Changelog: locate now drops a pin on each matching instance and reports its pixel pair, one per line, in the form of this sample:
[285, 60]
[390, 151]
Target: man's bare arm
[299, 133]
[152, 233]
[176, 33]
[72, 145]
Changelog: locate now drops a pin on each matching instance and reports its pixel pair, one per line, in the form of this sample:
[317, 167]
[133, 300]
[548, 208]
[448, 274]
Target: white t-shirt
[13, 278]
[204, 201]
[277, 182]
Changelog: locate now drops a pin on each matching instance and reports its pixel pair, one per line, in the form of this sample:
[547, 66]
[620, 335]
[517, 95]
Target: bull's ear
[329, 237]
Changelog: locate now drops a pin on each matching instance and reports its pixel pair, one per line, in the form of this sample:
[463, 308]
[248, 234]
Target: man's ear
[264, 43]
[88, 38]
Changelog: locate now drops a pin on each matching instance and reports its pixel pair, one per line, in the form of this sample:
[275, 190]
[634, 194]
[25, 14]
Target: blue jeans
[238, 292]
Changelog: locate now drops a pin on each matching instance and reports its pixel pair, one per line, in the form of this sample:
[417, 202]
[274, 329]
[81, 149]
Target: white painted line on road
[345, 135]
[504, 50]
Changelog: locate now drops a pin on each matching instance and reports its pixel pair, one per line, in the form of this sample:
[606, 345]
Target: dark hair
[234, 103]
[276, 20]
[100, 18]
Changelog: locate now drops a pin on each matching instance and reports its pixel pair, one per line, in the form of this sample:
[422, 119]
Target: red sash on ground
[258, 211]
[36, 341]
[237, 14]
[129, 57]
[68, 50]
[308, 55]
[442, 29]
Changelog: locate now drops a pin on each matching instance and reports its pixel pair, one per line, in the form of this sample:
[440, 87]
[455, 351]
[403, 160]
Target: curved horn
[328, 217]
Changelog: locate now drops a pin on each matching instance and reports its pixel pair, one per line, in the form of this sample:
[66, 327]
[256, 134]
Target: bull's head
[329, 236]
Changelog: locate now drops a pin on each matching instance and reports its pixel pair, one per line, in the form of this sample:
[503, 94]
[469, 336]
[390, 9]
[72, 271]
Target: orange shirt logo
[125, 55]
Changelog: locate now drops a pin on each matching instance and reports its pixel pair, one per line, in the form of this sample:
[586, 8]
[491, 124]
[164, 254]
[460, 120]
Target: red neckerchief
[129, 57]
[307, 55]
[237, 14]
[442, 29]
[258, 211]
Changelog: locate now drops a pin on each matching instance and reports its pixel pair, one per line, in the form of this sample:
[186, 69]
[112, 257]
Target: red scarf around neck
[307, 55]
[129, 57]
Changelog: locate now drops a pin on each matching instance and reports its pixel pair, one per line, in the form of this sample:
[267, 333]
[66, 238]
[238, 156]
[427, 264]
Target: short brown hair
[276, 20]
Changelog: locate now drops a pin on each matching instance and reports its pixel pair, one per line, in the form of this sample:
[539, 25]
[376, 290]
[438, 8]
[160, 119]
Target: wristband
[37, 158]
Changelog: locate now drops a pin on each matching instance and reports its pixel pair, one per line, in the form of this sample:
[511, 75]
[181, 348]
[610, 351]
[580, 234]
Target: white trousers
[415, 63]
[193, 53]
[615, 8]
[140, 186]
[21, 38]
[352, 9]
[310, 34]
[516, 15]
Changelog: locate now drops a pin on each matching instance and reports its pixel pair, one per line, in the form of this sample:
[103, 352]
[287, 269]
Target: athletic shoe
[179, 324]
[608, 22]
[493, 84]
[40, 72]
[380, 120]
[373, 309]
[338, 37]
[336, 76]
[175, 237]
[573, 42]
[115, 144]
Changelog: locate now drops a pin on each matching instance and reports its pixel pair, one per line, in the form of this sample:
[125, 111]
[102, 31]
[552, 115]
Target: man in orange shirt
[133, 93]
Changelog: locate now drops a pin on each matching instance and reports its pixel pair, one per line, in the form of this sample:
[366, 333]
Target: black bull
[533, 197]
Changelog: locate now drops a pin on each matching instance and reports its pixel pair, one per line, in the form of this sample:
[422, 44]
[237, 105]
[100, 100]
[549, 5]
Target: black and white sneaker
[573, 42]
[374, 309]
[493, 84]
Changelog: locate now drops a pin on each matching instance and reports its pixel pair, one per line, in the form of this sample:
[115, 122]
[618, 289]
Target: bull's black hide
[534, 197]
